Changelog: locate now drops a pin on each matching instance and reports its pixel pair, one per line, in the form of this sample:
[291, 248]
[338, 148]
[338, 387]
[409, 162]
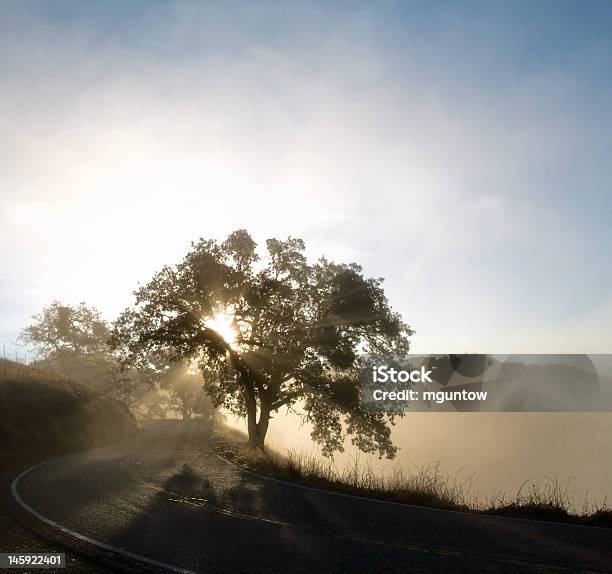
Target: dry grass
[43, 414]
[12, 371]
[550, 499]
[542, 499]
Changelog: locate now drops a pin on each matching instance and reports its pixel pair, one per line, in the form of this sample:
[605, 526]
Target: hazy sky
[461, 150]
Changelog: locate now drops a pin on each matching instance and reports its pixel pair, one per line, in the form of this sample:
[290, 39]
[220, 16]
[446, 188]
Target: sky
[461, 150]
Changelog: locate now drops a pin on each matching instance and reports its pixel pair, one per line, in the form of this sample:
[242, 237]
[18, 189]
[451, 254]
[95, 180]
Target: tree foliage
[299, 331]
[64, 328]
[185, 391]
[73, 341]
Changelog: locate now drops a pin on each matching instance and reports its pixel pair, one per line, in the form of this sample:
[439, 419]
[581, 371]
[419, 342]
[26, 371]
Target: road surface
[167, 501]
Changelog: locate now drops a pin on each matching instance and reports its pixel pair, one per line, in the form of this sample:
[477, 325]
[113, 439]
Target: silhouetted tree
[152, 405]
[186, 391]
[292, 335]
[72, 341]
[63, 328]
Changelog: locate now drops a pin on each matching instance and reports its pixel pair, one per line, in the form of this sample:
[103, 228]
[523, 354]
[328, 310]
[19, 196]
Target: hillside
[43, 414]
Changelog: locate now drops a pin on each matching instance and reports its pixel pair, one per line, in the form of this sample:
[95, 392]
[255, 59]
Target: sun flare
[223, 324]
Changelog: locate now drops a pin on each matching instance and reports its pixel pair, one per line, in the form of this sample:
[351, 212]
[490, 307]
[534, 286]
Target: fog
[500, 451]
[462, 155]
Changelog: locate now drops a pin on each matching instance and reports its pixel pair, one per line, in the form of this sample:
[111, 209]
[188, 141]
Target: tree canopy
[185, 392]
[269, 332]
[73, 341]
[62, 328]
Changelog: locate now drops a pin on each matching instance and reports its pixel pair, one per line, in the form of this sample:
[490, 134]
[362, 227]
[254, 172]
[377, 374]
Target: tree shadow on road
[224, 520]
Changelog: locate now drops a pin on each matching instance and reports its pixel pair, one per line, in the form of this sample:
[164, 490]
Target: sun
[223, 324]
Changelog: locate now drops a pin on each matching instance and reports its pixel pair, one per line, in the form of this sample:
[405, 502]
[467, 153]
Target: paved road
[168, 498]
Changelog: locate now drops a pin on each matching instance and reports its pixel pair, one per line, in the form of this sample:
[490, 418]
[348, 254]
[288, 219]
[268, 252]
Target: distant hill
[43, 414]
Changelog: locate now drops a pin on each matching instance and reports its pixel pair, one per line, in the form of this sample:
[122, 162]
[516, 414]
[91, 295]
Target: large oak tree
[267, 333]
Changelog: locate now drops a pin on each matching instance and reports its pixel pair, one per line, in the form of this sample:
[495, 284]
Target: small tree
[73, 341]
[271, 333]
[186, 391]
[63, 329]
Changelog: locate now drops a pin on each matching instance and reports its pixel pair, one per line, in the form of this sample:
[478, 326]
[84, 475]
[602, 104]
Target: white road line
[82, 537]
[465, 513]
[172, 568]
[343, 494]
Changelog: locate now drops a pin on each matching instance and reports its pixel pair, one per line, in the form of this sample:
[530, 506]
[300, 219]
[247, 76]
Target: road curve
[166, 501]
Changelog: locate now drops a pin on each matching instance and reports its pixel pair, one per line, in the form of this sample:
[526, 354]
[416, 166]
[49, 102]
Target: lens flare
[223, 324]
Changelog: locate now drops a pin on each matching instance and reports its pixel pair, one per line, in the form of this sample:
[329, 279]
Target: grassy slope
[42, 414]
[424, 487]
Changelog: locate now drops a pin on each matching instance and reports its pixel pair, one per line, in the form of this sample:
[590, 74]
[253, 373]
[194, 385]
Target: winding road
[166, 501]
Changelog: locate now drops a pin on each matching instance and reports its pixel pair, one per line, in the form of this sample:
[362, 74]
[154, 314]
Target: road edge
[81, 537]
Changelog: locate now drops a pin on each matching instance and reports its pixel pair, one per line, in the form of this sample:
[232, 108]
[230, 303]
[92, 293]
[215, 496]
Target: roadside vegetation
[546, 499]
[44, 414]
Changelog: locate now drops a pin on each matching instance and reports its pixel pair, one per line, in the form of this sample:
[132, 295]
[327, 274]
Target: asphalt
[166, 501]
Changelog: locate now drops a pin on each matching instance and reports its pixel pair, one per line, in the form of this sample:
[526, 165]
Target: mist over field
[501, 450]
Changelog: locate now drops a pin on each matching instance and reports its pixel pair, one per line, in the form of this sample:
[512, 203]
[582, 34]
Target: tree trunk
[257, 429]
[262, 425]
[251, 408]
